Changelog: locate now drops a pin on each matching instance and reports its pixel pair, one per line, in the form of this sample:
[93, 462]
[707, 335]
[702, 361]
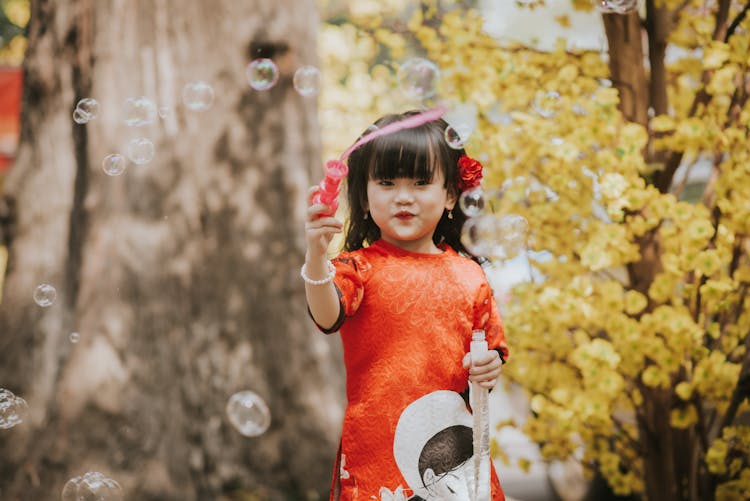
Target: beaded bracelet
[331, 274]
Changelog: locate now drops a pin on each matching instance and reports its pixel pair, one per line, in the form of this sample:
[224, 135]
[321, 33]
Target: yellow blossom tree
[640, 314]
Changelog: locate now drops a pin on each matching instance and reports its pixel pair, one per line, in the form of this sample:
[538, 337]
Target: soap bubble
[479, 234]
[114, 164]
[164, 111]
[140, 150]
[86, 110]
[45, 295]
[495, 237]
[513, 235]
[197, 96]
[307, 81]
[472, 202]
[13, 409]
[92, 486]
[418, 78]
[546, 103]
[615, 6]
[89, 106]
[457, 135]
[80, 117]
[139, 111]
[262, 74]
[74, 337]
[248, 413]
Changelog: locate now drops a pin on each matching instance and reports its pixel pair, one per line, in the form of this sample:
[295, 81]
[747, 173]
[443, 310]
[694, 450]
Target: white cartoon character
[433, 447]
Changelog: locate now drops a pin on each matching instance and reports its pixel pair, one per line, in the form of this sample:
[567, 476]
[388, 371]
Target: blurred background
[155, 158]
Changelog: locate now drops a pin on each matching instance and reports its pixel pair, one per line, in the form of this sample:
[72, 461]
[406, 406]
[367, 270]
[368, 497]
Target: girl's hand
[319, 230]
[484, 371]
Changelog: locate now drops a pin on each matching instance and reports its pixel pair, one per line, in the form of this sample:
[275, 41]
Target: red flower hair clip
[469, 173]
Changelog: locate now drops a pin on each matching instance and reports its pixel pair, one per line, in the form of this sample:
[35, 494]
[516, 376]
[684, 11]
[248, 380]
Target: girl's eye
[423, 182]
[385, 182]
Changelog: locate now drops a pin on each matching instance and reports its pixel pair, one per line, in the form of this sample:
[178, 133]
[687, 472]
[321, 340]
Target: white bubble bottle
[479, 399]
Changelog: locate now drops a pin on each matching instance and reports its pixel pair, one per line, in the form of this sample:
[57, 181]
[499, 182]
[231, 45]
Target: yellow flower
[17, 12]
[683, 417]
[723, 80]
[609, 461]
[655, 377]
[671, 263]
[609, 383]
[715, 54]
[716, 457]
[708, 262]
[635, 302]
[538, 403]
[684, 390]
[637, 198]
[700, 229]
[595, 257]
[716, 289]
[662, 123]
[662, 287]
[415, 21]
[613, 185]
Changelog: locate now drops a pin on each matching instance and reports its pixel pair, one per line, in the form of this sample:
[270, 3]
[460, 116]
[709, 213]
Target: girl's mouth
[404, 215]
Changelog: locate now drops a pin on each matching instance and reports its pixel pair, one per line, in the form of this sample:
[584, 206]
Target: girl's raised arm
[318, 271]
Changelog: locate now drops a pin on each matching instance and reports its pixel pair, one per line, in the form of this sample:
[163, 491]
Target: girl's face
[408, 210]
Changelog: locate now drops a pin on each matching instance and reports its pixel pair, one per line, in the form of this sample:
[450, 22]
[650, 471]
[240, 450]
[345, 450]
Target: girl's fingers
[314, 212]
[311, 191]
[485, 369]
[494, 368]
[488, 377]
[328, 225]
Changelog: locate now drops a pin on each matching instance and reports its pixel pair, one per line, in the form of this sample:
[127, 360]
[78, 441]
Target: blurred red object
[11, 85]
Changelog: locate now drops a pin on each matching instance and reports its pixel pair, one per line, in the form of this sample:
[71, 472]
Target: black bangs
[410, 154]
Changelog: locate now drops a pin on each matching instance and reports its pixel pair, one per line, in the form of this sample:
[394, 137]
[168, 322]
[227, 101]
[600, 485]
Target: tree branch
[663, 179]
[658, 25]
[741, 390]
[736, 22]
[628, 437]
[722, 16]
[626, 64]
[701, 428]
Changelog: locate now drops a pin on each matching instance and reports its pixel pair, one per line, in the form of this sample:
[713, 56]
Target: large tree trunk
[181, 275]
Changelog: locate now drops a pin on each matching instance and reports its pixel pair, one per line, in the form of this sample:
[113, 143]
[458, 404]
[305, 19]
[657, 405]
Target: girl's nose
[404, 194]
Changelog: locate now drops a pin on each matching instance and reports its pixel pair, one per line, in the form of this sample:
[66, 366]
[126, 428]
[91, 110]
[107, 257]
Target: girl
[404, 296]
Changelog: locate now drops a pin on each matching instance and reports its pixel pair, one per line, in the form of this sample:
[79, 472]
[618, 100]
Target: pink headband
[336, 169]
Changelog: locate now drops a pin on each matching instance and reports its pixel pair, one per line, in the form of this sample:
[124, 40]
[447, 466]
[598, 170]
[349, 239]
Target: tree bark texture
[181, 275]
[624, 37]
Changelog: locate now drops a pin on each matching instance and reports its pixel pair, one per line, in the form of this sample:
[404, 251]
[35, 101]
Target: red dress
[406, 325]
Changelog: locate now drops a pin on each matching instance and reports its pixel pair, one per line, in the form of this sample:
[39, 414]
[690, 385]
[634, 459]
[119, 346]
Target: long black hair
[409, 153]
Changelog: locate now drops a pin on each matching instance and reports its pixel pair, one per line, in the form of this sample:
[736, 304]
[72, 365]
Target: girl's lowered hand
[319, 230]
[485, 370]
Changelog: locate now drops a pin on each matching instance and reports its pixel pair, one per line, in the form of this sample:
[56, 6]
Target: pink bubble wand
[336, 170]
